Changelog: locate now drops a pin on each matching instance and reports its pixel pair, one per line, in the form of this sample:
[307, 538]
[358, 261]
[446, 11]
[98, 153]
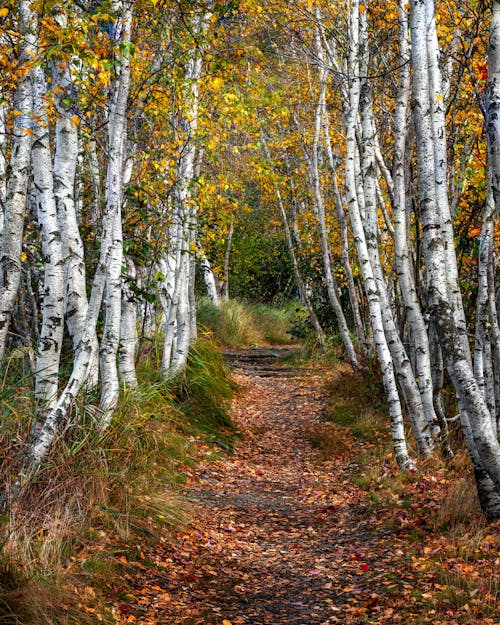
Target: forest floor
[282, 532]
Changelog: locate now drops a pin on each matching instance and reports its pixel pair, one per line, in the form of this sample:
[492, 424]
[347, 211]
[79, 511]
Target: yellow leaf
[4, 12]
[362, 8]
[225, 622]
[23, 257]
[75, 120]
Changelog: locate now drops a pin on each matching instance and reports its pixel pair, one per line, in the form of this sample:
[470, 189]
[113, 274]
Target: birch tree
[441, 270]
[17, 182]
[398, 435]
[51, 332]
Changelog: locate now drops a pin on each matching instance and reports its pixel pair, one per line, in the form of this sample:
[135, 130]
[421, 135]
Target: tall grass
[235, 323]
[100, 484]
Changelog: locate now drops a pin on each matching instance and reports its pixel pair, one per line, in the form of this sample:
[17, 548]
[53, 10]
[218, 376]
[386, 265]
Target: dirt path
[278, 536]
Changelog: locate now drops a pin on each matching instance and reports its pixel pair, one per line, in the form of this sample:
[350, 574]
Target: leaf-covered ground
[279, 534]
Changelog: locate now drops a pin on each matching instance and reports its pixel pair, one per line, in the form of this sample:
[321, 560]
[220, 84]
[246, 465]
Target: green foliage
[236, 323]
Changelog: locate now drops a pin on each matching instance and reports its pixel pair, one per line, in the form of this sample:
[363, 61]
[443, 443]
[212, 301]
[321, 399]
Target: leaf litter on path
[279, 535]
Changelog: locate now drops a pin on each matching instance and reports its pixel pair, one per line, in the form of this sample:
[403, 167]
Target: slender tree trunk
[65, 162]
[3, 165]
[128, 328]
[209, 277]
[368, 200]
[52, 328]
[320, 213]
[398, 435]
[482, 347]
[493, 104]
[344, 237]
[17, 183]
[117, 140]
[227, 256]
[83, 356]
[401, 241]
[444, 295]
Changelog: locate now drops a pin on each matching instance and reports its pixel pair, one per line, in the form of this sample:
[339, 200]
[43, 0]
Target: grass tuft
[237, 324]
[101, 489]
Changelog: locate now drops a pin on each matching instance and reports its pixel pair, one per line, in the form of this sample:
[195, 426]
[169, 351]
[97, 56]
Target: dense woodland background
[334, 164]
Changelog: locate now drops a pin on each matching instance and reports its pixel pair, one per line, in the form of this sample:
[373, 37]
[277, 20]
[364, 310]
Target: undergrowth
[236, 323]
[434, 512]
[102, 489]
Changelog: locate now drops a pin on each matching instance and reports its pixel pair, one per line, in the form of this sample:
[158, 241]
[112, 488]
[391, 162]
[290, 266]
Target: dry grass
[328, 439]
[100, 488]
[237, 324]
[459, 505]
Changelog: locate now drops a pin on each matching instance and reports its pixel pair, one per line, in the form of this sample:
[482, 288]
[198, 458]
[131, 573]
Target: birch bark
[493, 104]
[17, 183]
[319, 203]
[65, 162]
[83, 356]
[402, 252]
[444, 295]
[398, 435]
[128, 328]
[117, 138]
[368, 199]
[52, 327]
[227, 257]
[209, 277]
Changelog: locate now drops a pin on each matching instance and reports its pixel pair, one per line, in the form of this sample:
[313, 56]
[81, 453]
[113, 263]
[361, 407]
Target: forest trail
[277, 535]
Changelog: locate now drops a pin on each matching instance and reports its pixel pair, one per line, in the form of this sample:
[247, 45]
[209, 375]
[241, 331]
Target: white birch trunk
[117, 138]
[180, 320]
[3, 165]
[368, 199]
[493, 104]
[19, 169]
[83, 357]
[495, 334]
[128, 328]
[319, 203]
[65, 161]
[401, 242]
[442, 284]
[346, 263]
[398, 435]
[227, 257]
[52, 327]
[209, 278]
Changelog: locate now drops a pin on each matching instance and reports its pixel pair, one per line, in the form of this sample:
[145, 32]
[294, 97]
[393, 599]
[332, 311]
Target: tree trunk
[117, 140]
[128, 328]
[444, 295]
[52, 328]
[227, 256]
[398, 435]
[17, 184]
[65, 161]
